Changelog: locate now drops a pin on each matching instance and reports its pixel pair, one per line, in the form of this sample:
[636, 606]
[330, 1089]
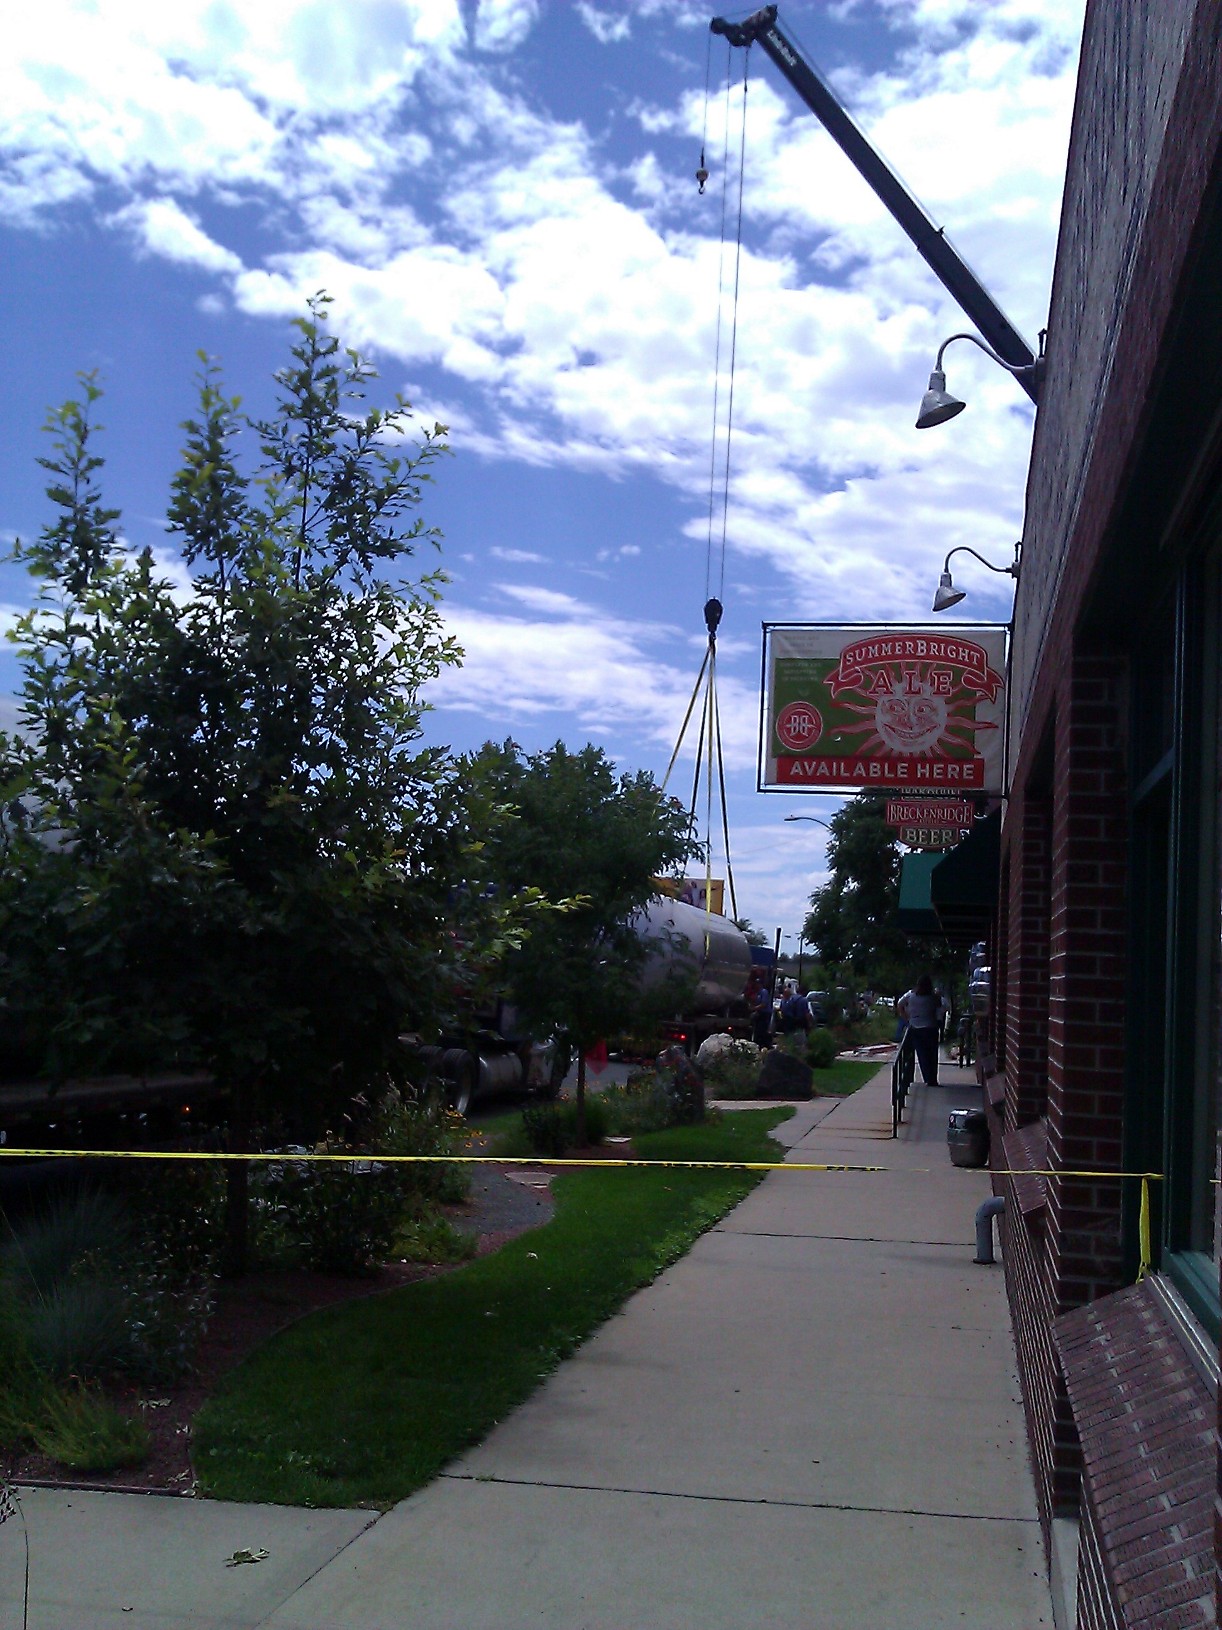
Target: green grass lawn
[362, 1404]
[847, 1074]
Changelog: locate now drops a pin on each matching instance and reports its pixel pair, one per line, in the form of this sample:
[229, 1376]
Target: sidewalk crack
[375, 1518]
[734, 1499]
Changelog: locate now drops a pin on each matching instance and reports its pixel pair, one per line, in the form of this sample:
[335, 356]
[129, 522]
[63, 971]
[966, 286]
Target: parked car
[818, 1002]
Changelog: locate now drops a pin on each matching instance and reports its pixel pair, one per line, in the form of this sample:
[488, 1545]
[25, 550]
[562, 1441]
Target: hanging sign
[953, 814]
[883, 709]
[707, 893]
[927, 837]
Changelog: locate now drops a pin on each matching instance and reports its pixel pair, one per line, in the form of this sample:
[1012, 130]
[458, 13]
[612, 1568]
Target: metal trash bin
[967, 1137]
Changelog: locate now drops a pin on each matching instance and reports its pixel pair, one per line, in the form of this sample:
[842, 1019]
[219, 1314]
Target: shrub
[551, 1128]
[821, 1049]
[81, 1430]
[433, 1239]
[170, 1269]
[119, 1279]
[21, 1387]
[83, 1225]
[67, 1293]
[79, 1329]
[343, 1215]
[409, 1124]
[644, 1103]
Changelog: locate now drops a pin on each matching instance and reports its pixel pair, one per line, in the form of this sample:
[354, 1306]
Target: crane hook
[702, 175]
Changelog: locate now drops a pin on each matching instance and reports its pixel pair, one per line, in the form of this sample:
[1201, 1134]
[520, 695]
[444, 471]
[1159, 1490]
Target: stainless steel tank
[688, 943]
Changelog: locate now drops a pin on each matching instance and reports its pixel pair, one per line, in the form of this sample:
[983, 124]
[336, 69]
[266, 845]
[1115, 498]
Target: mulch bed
[251, 1310]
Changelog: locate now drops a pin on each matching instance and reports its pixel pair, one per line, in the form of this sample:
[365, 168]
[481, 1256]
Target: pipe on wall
[984, 1228]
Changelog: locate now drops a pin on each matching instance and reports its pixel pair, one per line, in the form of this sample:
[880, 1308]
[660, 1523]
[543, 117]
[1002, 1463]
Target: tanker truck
[695, 959]
[705, 959]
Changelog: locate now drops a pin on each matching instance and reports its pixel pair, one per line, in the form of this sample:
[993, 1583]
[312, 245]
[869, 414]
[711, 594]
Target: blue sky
[500, 197]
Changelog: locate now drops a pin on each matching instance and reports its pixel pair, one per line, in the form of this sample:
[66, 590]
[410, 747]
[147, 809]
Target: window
[1175, 1057]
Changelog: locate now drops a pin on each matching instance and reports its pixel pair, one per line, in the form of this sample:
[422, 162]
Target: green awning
[916, 914]
[963, 886]
[953, 893]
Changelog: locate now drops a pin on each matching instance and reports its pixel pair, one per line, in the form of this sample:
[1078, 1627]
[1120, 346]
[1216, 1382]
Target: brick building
[1106, 939]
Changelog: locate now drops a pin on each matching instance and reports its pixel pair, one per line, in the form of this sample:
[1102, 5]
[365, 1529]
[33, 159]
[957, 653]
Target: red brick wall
[1086, 980]
[1064, 1012]
[1095, 1607]
[1026, 963]
[1145, 1419]
[1054, 1443]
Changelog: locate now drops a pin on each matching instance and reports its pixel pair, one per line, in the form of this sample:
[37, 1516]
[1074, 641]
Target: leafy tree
[595, 840]
[852, 921]
[220, 835]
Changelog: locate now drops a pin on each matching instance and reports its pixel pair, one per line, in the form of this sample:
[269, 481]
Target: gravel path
[501, 1205]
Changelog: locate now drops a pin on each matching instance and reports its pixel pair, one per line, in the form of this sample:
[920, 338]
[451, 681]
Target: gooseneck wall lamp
[948, 595]
[938, 405]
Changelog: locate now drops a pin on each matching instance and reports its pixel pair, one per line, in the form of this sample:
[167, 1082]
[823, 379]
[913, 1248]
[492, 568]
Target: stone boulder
[784, 1076]
[715, 1047]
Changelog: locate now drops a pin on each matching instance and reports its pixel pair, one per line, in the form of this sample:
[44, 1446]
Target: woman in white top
[922, 1008]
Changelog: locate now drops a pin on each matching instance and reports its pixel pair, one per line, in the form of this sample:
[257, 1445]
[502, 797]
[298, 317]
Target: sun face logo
[910, 724]
[911, 710]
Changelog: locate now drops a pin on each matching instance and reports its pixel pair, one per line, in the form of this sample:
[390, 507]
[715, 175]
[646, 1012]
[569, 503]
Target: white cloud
[162, 228]
[502, 25]
[606, 27]
[203, 94]
[523, 557]
[546, 600]
[566, 662]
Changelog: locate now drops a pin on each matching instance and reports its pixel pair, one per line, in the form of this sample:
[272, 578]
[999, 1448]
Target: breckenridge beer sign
[891, 709]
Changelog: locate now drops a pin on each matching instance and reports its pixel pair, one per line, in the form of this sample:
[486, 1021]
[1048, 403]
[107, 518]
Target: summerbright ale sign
[892, 709]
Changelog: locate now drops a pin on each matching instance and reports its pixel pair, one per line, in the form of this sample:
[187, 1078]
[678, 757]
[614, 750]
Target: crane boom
[944, 261]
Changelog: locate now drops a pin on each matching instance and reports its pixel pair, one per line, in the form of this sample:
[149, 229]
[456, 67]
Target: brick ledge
[1026, 1152]
[1145, 1420]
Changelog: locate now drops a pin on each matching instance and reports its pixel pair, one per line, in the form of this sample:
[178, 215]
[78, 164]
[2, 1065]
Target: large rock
[718, 1046]
[784, 1076]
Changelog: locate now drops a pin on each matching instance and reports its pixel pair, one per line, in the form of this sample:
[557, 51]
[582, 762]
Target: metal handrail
[903, 1071]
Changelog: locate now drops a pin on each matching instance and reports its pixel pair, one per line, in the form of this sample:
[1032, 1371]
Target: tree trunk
[236, 1254]
[581, 1096]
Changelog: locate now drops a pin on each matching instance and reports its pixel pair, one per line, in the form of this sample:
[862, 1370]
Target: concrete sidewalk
[811, 1420]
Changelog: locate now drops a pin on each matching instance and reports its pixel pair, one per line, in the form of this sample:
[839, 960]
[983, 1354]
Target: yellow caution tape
[609, 1163]
[1143, 1231]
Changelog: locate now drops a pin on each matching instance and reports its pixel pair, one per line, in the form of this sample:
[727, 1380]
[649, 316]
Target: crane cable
[710, 720]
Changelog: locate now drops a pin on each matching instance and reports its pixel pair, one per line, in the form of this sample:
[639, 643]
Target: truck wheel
[462, 1079]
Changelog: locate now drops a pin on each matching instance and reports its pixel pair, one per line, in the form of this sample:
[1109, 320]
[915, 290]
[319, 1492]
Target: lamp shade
[947, 594]
[937, 405]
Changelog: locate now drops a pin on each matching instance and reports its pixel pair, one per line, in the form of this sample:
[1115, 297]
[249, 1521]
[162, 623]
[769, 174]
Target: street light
[814, 818]
[948, 595]
[801, 939]
[938, 405]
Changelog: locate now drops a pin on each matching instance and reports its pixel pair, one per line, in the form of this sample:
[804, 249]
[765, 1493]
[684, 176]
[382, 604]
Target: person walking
[921, 1007]
[760, 1003]
[795, 1012]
